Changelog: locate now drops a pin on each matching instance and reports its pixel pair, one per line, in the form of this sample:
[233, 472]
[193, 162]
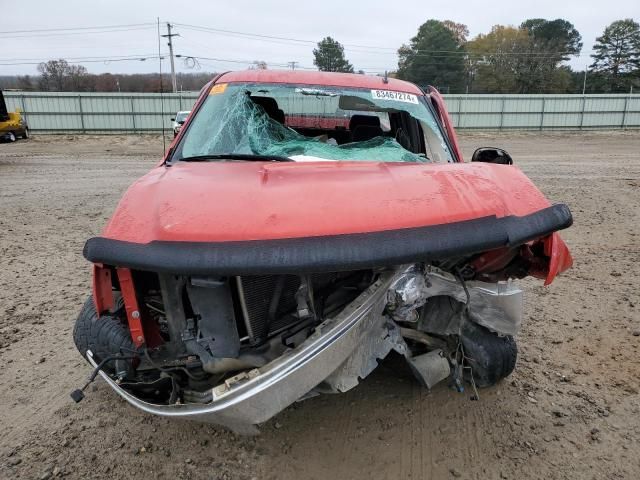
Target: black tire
[25, 135]
[490, 356]
[104, 336]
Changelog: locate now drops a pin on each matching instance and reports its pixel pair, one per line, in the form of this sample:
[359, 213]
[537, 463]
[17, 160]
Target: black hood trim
[330, 253]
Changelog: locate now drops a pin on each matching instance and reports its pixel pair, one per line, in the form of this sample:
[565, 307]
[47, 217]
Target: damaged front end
[234, 332]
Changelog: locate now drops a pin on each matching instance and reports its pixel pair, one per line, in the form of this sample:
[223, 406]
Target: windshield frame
[424, 100]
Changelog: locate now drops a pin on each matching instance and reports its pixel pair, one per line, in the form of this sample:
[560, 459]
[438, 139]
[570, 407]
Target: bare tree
[25, 83]
[258, 65]
[59, 75]
[459, 30]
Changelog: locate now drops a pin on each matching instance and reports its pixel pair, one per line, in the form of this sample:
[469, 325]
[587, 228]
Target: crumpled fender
[560, 258]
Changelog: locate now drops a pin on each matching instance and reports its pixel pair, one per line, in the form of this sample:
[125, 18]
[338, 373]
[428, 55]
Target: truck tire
[104, 336]
[491, 357]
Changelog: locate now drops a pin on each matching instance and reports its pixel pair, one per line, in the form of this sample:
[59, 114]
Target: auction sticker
[218, 89]
[397, 96]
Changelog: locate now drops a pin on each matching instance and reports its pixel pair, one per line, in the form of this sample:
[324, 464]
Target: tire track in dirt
[346, 414]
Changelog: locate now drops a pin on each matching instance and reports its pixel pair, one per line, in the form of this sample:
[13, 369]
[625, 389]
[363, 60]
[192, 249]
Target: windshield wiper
[236, 156]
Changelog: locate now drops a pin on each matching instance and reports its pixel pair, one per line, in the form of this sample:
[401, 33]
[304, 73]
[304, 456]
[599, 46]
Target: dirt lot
[571, 409]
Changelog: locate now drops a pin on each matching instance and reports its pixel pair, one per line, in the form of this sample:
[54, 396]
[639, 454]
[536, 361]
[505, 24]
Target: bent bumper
[254, 397]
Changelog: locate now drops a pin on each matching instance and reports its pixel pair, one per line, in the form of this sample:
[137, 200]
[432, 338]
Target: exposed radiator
[265, 301]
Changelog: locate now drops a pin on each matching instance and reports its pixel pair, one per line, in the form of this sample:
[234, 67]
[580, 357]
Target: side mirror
[181, 122]
[492, 155]
[173, 119]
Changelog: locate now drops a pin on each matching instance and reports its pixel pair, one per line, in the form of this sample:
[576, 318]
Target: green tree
[329, 57]
[596, 82]
[558, 38]
[617, 54]
[496, 60]
[528, 59]
[552, 43]
[435, 56]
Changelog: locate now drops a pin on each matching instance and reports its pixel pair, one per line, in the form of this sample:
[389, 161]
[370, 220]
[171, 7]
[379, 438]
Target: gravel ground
[570, 410]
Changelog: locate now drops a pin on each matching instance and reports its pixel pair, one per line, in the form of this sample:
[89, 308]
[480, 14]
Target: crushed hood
[227, 201]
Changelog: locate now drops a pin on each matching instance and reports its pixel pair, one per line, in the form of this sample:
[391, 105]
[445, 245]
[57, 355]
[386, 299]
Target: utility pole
[170, 35]
[584, 83]
[292, 65]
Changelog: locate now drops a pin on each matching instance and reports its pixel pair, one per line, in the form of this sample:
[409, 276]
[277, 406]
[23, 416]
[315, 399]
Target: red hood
[223, 201]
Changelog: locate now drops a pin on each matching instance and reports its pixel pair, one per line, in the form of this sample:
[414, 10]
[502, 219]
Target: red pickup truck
[301, 227]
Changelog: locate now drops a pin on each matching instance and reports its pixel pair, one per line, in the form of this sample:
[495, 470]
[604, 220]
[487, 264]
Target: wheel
[11, 137]
[25, 135]
[104, 336]
[490, 356]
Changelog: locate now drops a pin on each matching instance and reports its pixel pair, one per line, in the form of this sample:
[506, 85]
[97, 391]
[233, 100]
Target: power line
[190, 42]
[105, 57]
[105, 60]
[271, 64]
[232, 32]
[369, 69]
[145, 56]
[61, 34]
[358, 48]
[273, 39]
[76, 28]
[117, 28]
[227, 60]
[369, 48]
[267, 38]
[436, 57]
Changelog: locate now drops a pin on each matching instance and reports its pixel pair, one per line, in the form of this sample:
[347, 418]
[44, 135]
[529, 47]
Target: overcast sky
[371, 30]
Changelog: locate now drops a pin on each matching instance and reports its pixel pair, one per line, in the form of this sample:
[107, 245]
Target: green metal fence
[544, 112]
[48, 112]
[53, 112]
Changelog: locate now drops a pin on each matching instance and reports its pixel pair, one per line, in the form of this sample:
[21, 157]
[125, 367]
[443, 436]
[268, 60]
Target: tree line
[530, 58]
[61, 76]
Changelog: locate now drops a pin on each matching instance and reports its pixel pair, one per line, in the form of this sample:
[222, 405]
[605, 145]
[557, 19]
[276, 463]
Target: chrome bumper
[255, 396]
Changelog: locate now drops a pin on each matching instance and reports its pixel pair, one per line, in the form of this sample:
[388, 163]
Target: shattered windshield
[310, 123]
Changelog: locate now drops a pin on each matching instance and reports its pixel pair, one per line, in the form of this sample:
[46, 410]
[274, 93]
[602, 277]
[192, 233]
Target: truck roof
[334, 79]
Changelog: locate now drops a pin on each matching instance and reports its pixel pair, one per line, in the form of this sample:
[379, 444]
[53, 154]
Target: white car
[178, 121]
